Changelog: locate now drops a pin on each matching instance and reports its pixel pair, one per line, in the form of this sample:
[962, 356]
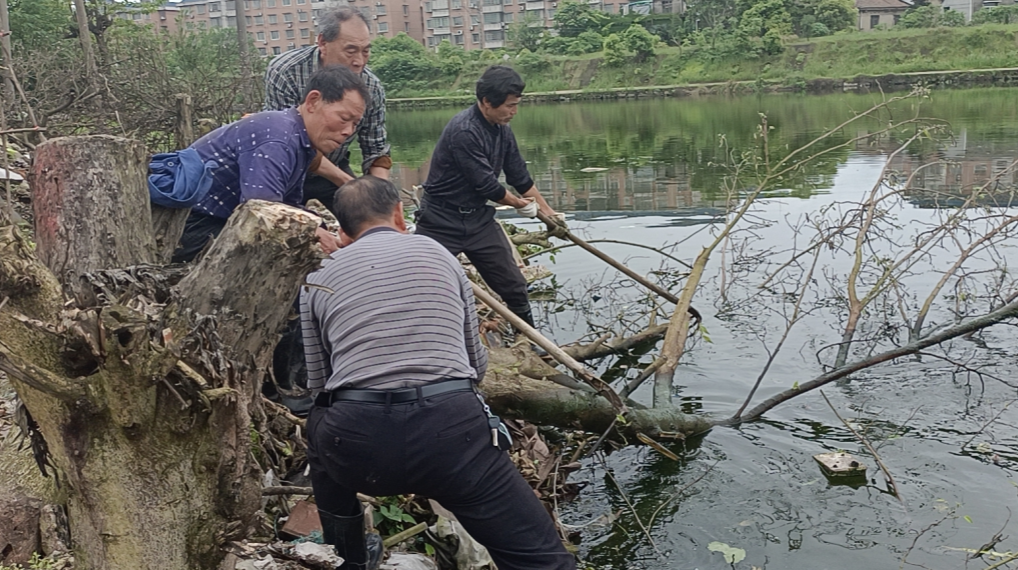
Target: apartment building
[476, 24]
[277, 26]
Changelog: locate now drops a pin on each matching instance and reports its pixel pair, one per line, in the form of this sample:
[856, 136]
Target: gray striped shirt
[389, 311]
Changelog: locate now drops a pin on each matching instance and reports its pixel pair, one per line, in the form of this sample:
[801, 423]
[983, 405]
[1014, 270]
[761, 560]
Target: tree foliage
[526, 34]
[931, 17]
[37, 23]
[639, 41]
[996, 15]
[573, 18]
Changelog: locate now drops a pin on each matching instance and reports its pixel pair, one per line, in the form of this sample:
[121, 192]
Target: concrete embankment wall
[861, 83]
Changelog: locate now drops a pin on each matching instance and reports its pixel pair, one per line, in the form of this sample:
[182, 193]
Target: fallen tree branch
[601, 349]
[873, 452]
[1007, 311]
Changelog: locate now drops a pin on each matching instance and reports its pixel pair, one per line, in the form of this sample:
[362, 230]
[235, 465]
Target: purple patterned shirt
[263, 156]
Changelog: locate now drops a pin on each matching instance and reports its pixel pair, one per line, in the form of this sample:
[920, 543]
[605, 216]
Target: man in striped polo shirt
[343, 39]
[393, 352]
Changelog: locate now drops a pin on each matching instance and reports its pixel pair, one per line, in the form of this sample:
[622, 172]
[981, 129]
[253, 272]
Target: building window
[201, 8]
[406, 27]
[897, 17]
[494, 36]
[380, 10]
[305, 33]
[288, 17]
[492, 2]
[214, 7]
[231, 21]
[508, 18]
[260, 36]
[136, 16]
[507, 2]
[302, 16]
[274, 34]
[474, 20]
[290, 34]
[231, 5]
[493, 18]
[427, 7]
[286, 2]
[475, 38]
[273, 19]
[457, 4]
[383, 27]
[431, 42]
[270, 3]
[302, 1]
[874, 21]
[457, 20]
[458, 39]
[406, 10]
[216, 22]
[442, 22]
[249, 20]
[256, 4]
[259, 21]
[276, 50]
[609, 8]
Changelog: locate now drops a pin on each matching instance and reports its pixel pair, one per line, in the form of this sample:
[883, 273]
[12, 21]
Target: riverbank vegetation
[768, 42]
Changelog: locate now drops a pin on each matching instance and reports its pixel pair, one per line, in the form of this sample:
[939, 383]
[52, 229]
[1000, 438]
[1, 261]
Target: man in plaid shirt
[343, 39]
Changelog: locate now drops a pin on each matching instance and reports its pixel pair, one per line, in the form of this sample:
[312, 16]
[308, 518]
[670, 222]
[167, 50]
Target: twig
[633, 510]
[676, 494]
[635, 383]
[288, 490]
[23, 130]
[1007, 560]
[876, 456]
[620, 242]
[987, 424]
[401, 536]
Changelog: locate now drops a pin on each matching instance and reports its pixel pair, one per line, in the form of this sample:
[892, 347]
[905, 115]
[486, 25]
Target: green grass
[843, 55]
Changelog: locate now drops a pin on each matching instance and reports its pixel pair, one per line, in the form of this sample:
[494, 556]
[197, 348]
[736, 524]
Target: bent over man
[343, 39]
[474, 149]
[265, 156]
[391, 336]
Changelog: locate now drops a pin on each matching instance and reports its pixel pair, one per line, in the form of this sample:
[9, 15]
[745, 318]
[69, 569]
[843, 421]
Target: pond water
[661, 170]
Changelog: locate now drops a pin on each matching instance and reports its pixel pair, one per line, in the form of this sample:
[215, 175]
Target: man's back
[388, 311]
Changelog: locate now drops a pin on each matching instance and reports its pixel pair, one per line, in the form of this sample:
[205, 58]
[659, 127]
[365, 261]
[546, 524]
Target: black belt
[400, 396]
[448, 206]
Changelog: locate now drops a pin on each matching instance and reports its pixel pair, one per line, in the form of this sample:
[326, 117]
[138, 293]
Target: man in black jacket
[476, 146]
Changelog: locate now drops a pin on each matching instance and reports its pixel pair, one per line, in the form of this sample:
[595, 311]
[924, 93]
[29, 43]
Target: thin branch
[676, 494]
[633, 511]
[876, 456]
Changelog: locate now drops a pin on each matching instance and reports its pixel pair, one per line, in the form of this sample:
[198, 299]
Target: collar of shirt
[479, 116]
[375, 230]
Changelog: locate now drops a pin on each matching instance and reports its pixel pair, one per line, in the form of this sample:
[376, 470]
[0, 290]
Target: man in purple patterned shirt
[265, 156]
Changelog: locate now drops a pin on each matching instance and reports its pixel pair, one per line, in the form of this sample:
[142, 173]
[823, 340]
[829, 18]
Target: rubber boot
[347, 537]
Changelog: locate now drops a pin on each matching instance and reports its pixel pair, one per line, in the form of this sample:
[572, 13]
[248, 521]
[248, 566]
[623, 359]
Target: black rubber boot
[346, 535]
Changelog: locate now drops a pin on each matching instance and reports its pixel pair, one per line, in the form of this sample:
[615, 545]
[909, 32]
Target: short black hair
[499, 82]
[363, 200]
[334, 81]
[329, 23]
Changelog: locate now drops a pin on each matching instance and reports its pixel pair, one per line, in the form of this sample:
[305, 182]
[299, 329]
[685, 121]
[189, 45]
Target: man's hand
[327, 240]
[332, 173]
[529, 210]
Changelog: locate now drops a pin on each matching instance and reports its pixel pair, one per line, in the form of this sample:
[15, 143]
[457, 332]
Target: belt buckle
[463, 210]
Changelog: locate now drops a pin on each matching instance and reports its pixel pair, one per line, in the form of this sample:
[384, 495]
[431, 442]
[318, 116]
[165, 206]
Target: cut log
[91, 206]
[513, 389]
[167, 227]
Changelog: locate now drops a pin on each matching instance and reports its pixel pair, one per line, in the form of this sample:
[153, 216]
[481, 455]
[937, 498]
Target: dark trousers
[441, 448]
[322, 189]
[199, 230]
[479, 236]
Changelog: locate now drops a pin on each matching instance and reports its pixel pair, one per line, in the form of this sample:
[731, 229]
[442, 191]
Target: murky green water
[662, 185]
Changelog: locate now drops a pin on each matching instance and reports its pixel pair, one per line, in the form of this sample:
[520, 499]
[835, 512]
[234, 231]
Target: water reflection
[669, 155]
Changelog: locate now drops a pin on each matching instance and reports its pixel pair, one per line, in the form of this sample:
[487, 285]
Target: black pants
[322, 189]
[198, 231]
[441, 448]
[479, 236]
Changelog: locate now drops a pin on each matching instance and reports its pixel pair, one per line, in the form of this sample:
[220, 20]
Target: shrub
[615, 51]
[530, 62]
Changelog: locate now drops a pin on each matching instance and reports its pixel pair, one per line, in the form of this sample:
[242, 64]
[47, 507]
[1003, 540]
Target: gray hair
[364, 200]
[329, 22]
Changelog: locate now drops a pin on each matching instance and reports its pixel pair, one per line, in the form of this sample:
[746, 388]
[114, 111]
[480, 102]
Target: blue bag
[179, 179]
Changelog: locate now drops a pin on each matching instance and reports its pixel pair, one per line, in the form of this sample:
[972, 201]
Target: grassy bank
[839, 56]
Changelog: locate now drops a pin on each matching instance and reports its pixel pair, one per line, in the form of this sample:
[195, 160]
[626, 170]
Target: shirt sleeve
[280, 90]
[516, 173]
[371, 134]
[266, 172]
[467, 148]
[477, 353]
[318, 362]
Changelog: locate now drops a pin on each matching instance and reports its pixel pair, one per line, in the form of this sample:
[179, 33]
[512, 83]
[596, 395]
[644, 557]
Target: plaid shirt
[285, 82]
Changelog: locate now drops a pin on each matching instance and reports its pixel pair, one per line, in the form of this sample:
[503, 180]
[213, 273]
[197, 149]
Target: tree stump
[147, 407]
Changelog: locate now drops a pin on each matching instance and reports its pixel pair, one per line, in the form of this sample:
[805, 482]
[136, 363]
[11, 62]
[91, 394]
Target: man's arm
[331, 172]
[372, 136]
[468, 153]
[477, 353]
[266, 172]
[517, 175]
[319, 365]
[542, 204]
